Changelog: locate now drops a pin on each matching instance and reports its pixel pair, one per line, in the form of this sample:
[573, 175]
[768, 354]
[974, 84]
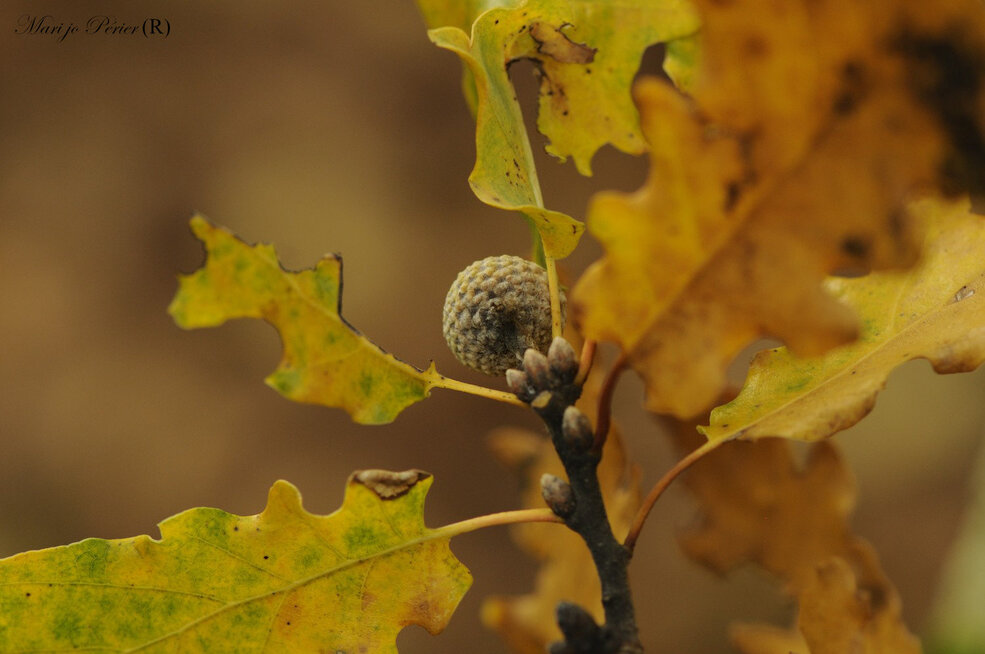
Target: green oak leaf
[281, 581]
[325, 360]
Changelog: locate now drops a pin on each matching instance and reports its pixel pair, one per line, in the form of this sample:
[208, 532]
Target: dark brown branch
[549, 385]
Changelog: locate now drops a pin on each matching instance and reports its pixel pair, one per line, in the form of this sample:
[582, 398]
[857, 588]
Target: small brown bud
[563, 361]
[577, 624]
[537, 369]
[557, 493]
[577, 430]
[519, 385]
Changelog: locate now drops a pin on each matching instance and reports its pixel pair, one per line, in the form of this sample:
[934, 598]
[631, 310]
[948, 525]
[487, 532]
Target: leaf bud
[563, 361]
[577, 430]
[537, 369]
[577, 624]
[558, 495]
[519, 385]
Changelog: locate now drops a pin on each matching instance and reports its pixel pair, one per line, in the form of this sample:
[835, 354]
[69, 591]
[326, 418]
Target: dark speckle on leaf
[946, 73]
[852, 88]
[855, 246]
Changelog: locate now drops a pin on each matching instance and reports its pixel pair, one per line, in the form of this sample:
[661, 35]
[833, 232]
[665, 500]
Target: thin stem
[497, 519]
[440, 381]
[659, 488]
[555, 291]
[605, 402]
[585, 363]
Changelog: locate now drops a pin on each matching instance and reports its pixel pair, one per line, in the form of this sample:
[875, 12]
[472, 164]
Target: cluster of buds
[543, 375]
[547, 383]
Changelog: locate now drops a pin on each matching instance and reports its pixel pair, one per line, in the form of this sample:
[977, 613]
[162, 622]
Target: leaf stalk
[651, 498]
[473, 389]
[498, 519]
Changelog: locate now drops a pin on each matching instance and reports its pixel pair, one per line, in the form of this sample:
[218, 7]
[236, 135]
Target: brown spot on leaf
[551, 41]
[946, 74]
[755, 46]
[855, 246]
[853, 88]
[389, 485]
[732, 191]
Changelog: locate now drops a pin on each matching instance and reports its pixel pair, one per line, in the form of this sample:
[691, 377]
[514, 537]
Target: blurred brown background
[321, 127]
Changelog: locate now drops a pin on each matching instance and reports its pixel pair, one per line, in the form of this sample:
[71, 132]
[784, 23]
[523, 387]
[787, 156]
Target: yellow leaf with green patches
[586, 53]
[325, 361]
[935, 311]
[281, 581]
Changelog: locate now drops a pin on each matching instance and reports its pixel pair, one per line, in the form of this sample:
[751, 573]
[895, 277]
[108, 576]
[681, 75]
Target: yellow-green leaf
[281, 581]
[681, 61]
[504, 175]
[325, 361]
[587, 54]
[934, 311]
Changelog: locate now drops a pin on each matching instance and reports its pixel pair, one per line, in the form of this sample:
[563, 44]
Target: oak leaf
[760, 507]
[935, 310]
[837, 616]
[809, 126]
[586, 55]
[284, 580]
[325, 360]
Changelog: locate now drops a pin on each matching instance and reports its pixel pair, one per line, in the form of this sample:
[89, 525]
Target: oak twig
[549, 385]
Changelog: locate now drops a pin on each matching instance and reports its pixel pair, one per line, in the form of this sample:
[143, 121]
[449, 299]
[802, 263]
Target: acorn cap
[496, 309]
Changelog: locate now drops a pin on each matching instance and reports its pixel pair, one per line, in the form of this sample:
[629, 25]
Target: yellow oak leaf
[325, 360]
[586, 54]
[284, 580]
[760, 507]
[810, 126]
[527, 623]
[835, 616]
[838, 616]
[935, 310]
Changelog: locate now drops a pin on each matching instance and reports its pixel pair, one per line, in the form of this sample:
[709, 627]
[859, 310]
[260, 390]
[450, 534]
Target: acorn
[496, 309]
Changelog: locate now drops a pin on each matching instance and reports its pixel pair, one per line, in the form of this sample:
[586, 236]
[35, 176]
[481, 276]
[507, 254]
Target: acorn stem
[464, 387]
[554, 288]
